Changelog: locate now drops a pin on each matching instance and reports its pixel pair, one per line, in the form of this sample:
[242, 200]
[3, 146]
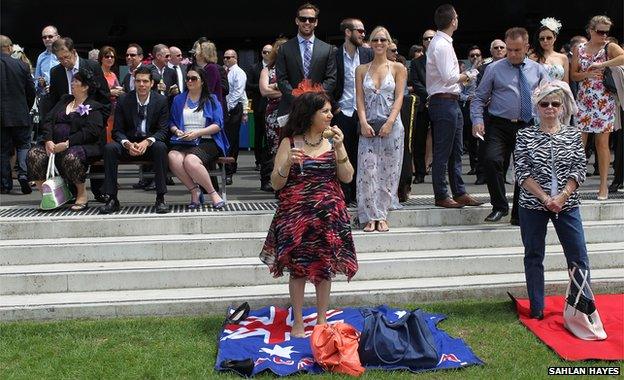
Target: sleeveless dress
[272, 130]
[379, 159]
[310, 235]
[596, 106]
[555, 71]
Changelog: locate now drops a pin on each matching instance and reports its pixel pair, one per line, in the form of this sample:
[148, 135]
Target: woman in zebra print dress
[550, 166]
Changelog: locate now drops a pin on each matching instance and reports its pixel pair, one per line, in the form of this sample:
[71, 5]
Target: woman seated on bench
[72, 130]
[197, 138]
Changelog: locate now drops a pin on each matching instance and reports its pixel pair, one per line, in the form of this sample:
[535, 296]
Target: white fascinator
[552, 24]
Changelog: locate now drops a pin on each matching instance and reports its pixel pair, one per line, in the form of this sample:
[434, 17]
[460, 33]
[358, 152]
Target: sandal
[79, 206]
[370, 226]
[380, 229]
[219, 205]
[196, 205]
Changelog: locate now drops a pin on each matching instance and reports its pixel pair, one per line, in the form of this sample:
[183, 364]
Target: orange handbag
[335, 348]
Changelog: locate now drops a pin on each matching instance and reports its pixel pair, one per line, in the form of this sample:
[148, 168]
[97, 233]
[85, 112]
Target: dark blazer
[17, 92]
[59, 86]
[169, 75]
[181, 86]
[417, 77]
[289, 69]
[366, 56]
[127, 120]
[85, 130]
[258, 102]
[125, 83]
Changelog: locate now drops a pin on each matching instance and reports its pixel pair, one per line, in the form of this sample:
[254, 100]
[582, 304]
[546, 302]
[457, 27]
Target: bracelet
[280, 174]
[342, 160]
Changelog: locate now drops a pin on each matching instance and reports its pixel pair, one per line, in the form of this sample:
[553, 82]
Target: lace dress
[554, 71]
[379, 158]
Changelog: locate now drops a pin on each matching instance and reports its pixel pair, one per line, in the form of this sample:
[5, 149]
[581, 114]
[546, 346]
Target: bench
[222, 161]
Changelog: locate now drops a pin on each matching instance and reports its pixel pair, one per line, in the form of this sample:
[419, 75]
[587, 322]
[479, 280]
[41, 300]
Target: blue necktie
[307, 57]
[526, 112]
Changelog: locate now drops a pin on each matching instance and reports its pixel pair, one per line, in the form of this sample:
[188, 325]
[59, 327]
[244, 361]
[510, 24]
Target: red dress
[310, 235]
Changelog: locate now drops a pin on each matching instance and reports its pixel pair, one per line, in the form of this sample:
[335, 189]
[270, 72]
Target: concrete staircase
[201, 262]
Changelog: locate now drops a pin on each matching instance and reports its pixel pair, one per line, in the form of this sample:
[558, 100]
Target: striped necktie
[526, 112]
[307, 57]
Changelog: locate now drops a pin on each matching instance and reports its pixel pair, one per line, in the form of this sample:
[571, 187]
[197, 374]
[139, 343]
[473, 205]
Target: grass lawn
[185, 347]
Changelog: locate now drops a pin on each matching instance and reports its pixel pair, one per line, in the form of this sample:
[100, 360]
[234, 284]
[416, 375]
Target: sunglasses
[475, 55]
[602, 32]
[131, 55]
[547, 38]
[48, 36]
[167, 55]
[361, 31]
[192, 78]
[427, 38]
[228, 57]
[303, 19]
[498, 48]
[393, 50]
[109, 56]
[266, 52]
[177, 55]
[554, 104]
[379, 40]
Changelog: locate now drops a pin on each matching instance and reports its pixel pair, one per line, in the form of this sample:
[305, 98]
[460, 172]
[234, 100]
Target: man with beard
[304, 57]
[349, 56]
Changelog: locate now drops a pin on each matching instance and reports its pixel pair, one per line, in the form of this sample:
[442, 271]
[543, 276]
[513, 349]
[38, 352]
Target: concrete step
[77, 226]
[187, 301]
[249, 244]
[163, 274]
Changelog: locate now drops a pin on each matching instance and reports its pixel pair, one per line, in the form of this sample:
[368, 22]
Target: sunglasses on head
[379, 39]
[303, 19]
[546, 38]
[602, 32]
[192, 78]
[361, 31]
[545, 104]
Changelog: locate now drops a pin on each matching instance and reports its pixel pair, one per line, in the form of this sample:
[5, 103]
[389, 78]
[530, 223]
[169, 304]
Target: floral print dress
[596, 105]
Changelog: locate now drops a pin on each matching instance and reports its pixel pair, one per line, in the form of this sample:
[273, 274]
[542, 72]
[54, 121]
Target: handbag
[54, 190]
[406, 343]
[335, 348]
[607, 75]
[175, 140]
[580, 315]
[376, 124]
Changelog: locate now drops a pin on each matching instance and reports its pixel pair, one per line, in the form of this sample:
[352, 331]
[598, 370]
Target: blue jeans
[447, 128]
[18, 138]
[569, 228]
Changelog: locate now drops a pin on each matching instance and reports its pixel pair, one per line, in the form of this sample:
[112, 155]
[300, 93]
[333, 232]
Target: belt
[446, 95]
[510, 121]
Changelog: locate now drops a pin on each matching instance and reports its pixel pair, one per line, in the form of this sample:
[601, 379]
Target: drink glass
[299, 145]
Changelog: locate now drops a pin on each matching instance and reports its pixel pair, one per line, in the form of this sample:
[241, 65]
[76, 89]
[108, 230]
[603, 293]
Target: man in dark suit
[165, 77]
[60, 79]
[304, 57]
[140, 133]
[175, 63]
[416, 80]
[134, 58]
[258, 103]
[18, 95]
[349, 55]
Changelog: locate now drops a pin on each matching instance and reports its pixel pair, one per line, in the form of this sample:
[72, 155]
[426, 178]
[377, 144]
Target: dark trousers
[471, 143]
[500, 141]
[617, 164]
[113, 152]
[419, 142]
[232, 130]
[17, 138]
[447, 127]
[351, 130]
[569, 228]
[259, 122]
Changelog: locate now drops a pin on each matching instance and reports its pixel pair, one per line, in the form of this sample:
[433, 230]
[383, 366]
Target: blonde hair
[600, 19]
[377, 30]
[208, 51]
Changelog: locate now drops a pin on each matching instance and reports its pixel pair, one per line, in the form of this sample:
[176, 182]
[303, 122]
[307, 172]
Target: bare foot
[297, 330]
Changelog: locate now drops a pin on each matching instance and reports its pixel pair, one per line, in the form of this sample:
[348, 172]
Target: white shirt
[302, 46]
[347, 100]
[442, 70]
[237, 80]
[70, 74]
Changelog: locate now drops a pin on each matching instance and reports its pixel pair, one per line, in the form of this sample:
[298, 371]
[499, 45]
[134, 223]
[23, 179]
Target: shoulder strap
[292, 141]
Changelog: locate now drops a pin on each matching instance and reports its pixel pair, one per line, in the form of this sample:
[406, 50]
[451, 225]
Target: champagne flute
[299, 143]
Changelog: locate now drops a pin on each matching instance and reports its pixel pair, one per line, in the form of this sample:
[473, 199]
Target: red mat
[551, 331]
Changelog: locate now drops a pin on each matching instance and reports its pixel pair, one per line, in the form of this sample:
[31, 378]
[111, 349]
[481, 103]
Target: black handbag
[607, 76]
[405, 343]
[376, 124]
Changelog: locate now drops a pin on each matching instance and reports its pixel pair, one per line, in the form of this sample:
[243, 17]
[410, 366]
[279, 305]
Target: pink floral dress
[596, 106]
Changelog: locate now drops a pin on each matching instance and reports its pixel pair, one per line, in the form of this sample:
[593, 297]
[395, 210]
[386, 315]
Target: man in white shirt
[443, 79]
[237, 105]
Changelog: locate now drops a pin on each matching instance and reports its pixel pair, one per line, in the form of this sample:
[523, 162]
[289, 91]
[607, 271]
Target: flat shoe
[79, 206]
[370, 227]
[384, 229]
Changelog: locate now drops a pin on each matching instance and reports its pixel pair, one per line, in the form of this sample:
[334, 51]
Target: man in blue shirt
[507, 85]
[46, 59]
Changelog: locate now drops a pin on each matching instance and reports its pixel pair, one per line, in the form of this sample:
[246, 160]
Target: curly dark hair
[87, 78]
[302, 111]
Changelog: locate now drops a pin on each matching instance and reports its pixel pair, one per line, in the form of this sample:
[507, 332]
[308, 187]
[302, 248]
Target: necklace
[190, 103]
[312, 144]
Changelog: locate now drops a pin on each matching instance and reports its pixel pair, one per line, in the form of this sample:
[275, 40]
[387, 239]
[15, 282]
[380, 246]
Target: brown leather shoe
[448, 203]
[467, 200]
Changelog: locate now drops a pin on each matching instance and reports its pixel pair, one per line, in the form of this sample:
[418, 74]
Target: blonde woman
[379, 87]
